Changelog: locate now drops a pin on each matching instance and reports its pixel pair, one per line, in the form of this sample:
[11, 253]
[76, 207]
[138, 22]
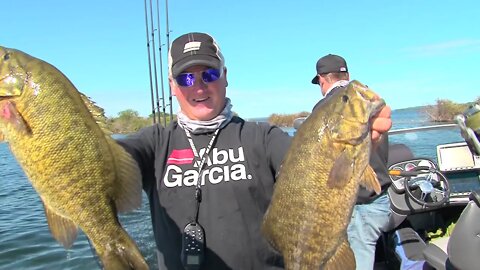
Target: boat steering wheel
[429, 187]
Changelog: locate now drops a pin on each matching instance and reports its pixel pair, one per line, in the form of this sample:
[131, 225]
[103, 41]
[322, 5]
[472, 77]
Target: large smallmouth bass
[318, 182]
[83, 177]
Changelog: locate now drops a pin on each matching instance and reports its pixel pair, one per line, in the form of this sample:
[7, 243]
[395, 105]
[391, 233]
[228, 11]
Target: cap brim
[315, 79]
[195, 60]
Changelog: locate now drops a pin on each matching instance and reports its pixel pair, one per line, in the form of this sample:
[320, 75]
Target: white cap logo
[192, 46]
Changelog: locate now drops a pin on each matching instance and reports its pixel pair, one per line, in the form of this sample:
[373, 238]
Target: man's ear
[225, 74]
[172, 86]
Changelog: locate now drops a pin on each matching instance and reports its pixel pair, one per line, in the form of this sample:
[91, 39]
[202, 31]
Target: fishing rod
[424, 128]
[168, 49]
[149, 62]
[298, 121]
[154, 61]
[161, 66]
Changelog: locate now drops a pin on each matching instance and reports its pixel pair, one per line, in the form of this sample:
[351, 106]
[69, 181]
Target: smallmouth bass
[318, 182]
[83, 177]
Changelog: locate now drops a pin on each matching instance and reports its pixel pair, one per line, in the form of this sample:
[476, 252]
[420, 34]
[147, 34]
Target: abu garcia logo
[224, 166]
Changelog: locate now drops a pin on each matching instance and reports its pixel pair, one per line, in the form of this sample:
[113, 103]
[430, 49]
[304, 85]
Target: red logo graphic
[183, 156]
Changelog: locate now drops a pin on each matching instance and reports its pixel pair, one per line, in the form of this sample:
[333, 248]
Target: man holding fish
[211, 168]
[372, 212]
[210, 176]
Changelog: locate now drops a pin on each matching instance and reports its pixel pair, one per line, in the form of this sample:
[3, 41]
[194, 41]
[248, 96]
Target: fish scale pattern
[79, 172]
[318, 182]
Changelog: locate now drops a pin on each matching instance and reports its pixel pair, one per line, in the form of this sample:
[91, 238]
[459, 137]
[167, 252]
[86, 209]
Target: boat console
[421, 184]
[434, 203]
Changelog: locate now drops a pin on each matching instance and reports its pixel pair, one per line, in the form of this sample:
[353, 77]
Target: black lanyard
[200, 162]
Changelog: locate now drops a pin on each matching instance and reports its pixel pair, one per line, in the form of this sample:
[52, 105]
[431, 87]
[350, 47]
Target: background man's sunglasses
[188, 79]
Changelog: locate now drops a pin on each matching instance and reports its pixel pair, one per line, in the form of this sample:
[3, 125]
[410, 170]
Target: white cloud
[452, 46]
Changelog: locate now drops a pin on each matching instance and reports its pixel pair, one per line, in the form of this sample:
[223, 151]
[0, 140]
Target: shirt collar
[336, 84]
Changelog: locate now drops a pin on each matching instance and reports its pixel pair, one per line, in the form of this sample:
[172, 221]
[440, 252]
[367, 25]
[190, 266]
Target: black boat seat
[397, 153]
[463, 245]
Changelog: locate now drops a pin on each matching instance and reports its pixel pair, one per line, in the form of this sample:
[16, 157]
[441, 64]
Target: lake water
[26, 242]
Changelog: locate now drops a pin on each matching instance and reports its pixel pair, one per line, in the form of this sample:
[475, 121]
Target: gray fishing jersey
[237, 184]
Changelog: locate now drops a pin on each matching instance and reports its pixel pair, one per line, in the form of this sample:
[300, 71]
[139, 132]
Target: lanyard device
[193, 237]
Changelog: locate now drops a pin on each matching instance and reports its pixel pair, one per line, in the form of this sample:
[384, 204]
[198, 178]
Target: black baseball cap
[328, 64]
[194, 49]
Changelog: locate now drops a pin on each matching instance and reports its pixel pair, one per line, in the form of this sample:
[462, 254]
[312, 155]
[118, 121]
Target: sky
[411, 52]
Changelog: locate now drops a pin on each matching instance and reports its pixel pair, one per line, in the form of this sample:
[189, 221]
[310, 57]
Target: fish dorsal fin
[343, 259]
[97, 112]
[370, 181]
[341, 171]
[128, 185]
[62, 228]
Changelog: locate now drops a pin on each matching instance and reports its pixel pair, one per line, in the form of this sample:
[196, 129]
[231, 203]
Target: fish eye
[345, 98]
[6, 56]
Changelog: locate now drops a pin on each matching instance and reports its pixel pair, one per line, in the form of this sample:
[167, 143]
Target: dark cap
[194, 49]
[328, 64]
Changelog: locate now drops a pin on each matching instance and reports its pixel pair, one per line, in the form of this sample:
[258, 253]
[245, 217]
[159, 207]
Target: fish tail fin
[343, 259]
[370, 181]
[128, 193]
[122, 254]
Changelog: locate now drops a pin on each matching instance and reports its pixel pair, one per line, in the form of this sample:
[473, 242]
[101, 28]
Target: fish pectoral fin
[370, 181]
[342, 259]
[62, 228]
[341, 171]
[128, 185]
[10, 115]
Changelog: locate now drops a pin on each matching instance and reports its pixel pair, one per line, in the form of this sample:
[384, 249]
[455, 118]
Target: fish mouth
[376, 103]
[3, 92]
[10, 87]
[377, 106]
[11, 78]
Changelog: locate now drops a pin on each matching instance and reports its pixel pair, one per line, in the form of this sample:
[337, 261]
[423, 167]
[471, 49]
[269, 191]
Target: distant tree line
[129, 121]
[445, 110]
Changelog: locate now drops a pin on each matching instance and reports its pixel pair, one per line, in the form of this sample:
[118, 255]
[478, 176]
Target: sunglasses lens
[210, 75]
[188, 79]
[185, 79]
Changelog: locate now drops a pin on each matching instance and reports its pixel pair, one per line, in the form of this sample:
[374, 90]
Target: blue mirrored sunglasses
[188, 79]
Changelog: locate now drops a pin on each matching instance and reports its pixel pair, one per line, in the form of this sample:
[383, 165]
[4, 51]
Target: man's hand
[381, 123]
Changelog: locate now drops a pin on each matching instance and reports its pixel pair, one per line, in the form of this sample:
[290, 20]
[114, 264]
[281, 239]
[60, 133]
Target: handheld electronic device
[193, 246]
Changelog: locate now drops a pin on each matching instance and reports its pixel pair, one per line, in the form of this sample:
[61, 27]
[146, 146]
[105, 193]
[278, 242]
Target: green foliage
[285, 120]
[129, 121]
[445, 110]
[161, 118]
